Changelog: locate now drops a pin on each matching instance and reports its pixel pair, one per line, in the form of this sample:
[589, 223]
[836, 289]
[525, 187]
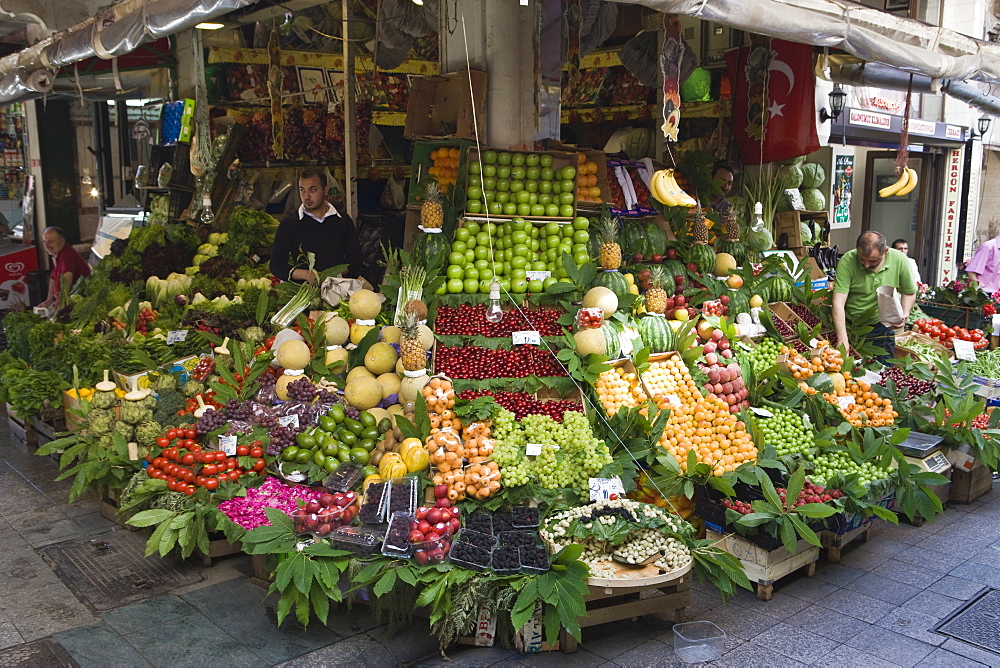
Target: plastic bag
[393, 196]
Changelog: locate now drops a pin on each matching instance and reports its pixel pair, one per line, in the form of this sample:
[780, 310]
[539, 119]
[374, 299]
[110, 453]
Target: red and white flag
[774, 110]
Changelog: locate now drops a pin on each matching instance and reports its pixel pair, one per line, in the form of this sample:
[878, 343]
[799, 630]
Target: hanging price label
[228, 445]
[176, 336]
[538, 275]
[601, 489]
[964, 350]
[526, 338]
[761, 412]
[533, 449]
[290, 421]
[845, 402]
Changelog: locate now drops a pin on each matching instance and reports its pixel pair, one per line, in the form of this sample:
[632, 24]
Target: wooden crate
[767, 567]
[967, 486]
[21, 429]
[834, 543]
[219, 547]
[109, 509]
[262, 570]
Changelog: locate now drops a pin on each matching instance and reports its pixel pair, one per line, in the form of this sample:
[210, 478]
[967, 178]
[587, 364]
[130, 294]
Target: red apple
[416, 537]
[424, 527]
[421, 513]
[657, 259]
[420, 556]
[312, 507]
[672, 253]
[443, 503]
[326, 500]
[456, 524]
[441, 491]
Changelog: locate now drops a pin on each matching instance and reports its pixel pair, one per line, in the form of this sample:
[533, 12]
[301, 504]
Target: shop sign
[952, 206]
[953, 132]
[921, 127]
[843, 185]
[870, 119]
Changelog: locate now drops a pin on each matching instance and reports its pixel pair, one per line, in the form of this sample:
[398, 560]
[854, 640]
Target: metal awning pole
[350, 132]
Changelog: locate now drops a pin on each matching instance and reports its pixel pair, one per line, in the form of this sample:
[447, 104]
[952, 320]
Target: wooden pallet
[834, 543]
[20, 429]
[109, 509]
[767, 567]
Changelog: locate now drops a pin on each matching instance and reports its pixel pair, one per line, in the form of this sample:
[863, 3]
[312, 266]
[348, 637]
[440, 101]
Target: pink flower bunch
[958, 286]
[248, 511]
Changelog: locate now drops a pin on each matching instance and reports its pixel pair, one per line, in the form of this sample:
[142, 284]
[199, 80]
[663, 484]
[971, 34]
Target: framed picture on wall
[883, 180]
[312, 83]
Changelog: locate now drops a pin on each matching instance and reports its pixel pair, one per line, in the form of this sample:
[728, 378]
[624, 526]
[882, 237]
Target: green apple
[534, 173]
[471, 285]
[567, 210]
[516, 186]
[489, 228]
[545, 187]
[552, 254]
[519, 287]
[462, 234]
[456, 285]
[581, 237]
[545, 198]
[519, 237]
[504, 284]
[532, 198]
[442, 289]
[490, 196]
[521, 250]
[536, 286]
[522, 196]
[532, 159]
[455, 271]
[580, 248]
[470, 256]
[503, 158]
[503, 172]
[474, 206]
[489, 170]
[519, 263]
[539, 265]
[549, 281]
[518, 274]
[517, 173]
[510, 209]
[482, 252]
[482, 265]
[581, 223]
[547, 174]
[501, 268]
[533, 245]
[503, 185]
[545, 160]
[556, 187]
[554, 241]
[531, 186]
[581, 259]
[496, 208]
[533, 232]
[484, 285]
[475, 181]
[471, 243]
[472, 226]
[503, 197]
[567, 197]
[474, 168]
[568, 187]
[537, 210]
[517, 159]
[552, 229]
[519, 224]
[551, 210]
[489, 183]
[524, 209]
[482, 239]
[567, 173]
[489, 157]
[459, 246]
[471, 272]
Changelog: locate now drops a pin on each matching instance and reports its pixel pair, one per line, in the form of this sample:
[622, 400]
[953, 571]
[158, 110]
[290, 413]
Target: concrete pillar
[496, 36]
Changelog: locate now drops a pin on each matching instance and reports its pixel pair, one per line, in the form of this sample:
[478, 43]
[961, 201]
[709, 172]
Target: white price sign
[290, 421]
[533, 449]
[601, 489]
[176, 336]
[761, 412]
[526, 338]
[538, 275]
[845, 402]
[228, 445]
[964, 350]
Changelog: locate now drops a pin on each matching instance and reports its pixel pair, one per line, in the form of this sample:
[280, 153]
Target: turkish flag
[774, 110]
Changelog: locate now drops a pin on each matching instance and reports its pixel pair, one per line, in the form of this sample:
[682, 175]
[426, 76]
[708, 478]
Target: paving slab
[98, 645]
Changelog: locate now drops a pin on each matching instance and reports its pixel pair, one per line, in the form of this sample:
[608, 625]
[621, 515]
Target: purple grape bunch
[210, 421]
[266, 421]
[352, 412]
[301, 390]
[239, 410]
[281, 437]
[914, 386]
[807, 316]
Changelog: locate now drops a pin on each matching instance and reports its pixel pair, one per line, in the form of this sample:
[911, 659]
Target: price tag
[255, 258]
[845, 402]
[290, 421]
[538, 275]
[533, 449]
[176, 336]
[601, 489]
[228, 445]
[761, 412]
[743, 345]
[964, 350]
[526, 338]
[673, 401]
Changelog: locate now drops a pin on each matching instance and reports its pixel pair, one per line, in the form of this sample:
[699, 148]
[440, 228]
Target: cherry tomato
[259, 466]
[256, 451]
[200, 480]
[220, 456]
[171, 434]
[153, 472]
[211, 484]
[190, 433]
[189, 490]
[187, 459]
[242, 450]
[209, 469]
[231, 463]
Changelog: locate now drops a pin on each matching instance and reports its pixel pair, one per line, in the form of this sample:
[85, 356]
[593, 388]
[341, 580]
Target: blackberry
[471, 554]
[506, 559]
[482, 540]
[535, 557]
[524, 539]
[481, 522]
[525, 517]
[502, 522]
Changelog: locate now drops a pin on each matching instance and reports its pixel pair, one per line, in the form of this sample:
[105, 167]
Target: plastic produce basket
[956, 316]
[697, 642]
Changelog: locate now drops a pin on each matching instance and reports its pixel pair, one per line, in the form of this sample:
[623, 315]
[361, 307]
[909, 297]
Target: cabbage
[813, 175]
[814, 199]
[789, 176]
[697, 87]
[806, 231]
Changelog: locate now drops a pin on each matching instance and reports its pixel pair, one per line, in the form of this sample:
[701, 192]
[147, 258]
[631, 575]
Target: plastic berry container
[431, 551]
[523, 517]
[397, 543]
[485, 541]
[502, 522]
[375, 503]
[532, 559]
[358, 540]
[505, 560]
[470, 556]
[480, 522]
[344, 479]
[402, 496]
[525, 539]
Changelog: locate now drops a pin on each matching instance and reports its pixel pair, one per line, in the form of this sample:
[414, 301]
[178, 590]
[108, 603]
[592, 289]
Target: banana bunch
[903, 186]
[666, 191]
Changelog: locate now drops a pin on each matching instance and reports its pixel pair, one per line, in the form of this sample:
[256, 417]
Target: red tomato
[231, 463]
[171, 434]
[242, 450]
[187, 459]
[256, 451]
[220, 456]
[259, 466]
[209, 469]
[153, 472]
[189, 490]
[190, 433]
[211, 484]
[200, 480]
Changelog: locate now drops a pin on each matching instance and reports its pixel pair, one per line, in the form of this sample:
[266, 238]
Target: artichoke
[254, 334]
[149, 402]
[134, 412]
[191, 388]
[147, 433]
[125, 429]
[165, 381]
[106, 441]
[100, 421]
[103, 399]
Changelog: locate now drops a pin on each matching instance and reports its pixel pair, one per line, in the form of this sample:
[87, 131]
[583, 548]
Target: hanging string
[903, 154]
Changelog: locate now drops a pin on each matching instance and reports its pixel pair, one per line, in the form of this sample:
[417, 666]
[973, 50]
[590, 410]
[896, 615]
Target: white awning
[870, 34]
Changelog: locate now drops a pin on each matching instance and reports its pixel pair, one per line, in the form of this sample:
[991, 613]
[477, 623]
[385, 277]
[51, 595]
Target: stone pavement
[874, 609]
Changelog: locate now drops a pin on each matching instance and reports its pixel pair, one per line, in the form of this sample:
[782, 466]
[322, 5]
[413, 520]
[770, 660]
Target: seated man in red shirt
[66, 262]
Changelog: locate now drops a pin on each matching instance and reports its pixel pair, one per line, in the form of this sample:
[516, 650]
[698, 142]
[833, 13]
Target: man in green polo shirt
[859, 274]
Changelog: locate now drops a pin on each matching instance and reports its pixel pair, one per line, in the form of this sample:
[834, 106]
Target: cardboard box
[961, 459]
[591, 155]
[442, 106]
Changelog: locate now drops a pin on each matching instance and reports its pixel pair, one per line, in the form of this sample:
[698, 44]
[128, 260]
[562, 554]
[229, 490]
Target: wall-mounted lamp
[983, 125]
[94, 192]
[86, 179]
[837, 99]
[210, 25]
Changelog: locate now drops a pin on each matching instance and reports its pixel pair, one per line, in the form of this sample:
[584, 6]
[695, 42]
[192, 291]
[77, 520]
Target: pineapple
[610, 256]
[411, 351]
[731, 225]
[699, 229]
[431, 211]
[656, 296]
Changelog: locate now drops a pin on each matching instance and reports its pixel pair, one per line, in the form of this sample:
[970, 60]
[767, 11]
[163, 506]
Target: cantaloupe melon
[590, 342]
[337, 330]
[294, 355]
[724, 264]
[363, 393]
[359, 372]
[336, 359]
[601, 297]
[381, 358]
[390, 334]
[426, 336]
[409, 388]
[359, 332]
[365, 305]
[379, 413]
[390, 384]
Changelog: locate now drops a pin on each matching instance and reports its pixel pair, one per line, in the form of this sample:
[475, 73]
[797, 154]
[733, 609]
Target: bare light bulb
[206, 216]
[94, 192]
[494, 313]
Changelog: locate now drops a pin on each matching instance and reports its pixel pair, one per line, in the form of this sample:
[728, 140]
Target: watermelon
[703, 257]
[735, 248]
[822, 382]
[612, 331]
[431, 247]
[656, 239]
[614, 281]
[781, 290]
[639, 143]
[739, 302]
[656, 333]
[632, 240]
[673, 267]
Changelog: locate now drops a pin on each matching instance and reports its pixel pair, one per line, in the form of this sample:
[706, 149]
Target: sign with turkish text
[869, 119]
[947, 270]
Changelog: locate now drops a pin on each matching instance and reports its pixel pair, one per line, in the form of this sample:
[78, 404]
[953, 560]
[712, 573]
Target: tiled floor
[877, 608]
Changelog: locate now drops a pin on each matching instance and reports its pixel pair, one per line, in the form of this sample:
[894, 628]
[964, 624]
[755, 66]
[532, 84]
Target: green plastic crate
[956, 316]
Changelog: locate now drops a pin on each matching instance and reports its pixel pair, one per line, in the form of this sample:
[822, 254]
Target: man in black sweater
[316, 227]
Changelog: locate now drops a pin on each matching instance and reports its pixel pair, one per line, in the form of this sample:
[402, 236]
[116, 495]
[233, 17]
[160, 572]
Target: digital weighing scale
[924, 450]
